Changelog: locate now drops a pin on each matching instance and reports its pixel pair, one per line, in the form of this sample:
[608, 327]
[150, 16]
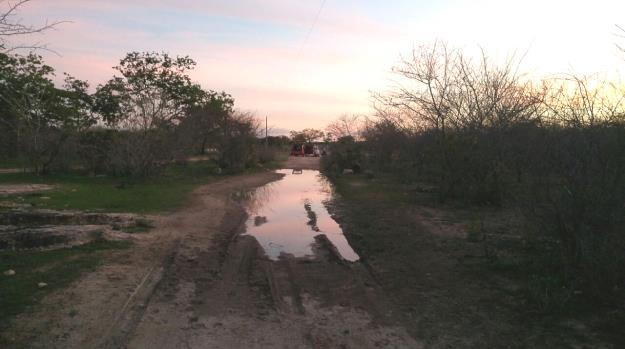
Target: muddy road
[253, 261]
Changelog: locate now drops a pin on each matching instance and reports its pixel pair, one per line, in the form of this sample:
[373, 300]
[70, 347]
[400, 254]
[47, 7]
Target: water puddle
[285, 216]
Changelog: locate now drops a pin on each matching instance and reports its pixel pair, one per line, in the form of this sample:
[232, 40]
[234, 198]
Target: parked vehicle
[297, 150]
[308, 149]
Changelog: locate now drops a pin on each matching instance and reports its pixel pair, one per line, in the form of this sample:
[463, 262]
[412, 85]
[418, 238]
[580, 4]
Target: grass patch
[12, 163]
[373, 191]
[57, 268]
[81, 192]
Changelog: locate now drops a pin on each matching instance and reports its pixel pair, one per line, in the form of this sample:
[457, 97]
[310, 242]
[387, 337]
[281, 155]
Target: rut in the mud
[297, 287]
[205, 278]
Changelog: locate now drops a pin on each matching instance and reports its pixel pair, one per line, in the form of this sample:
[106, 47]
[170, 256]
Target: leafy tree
[153, 91]
[202, 126]
[151, 96]
[237, 140]
[307, 135]
[37, 117]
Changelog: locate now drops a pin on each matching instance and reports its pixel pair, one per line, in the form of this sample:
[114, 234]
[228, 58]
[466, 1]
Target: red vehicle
[304, 150]
[297, 150]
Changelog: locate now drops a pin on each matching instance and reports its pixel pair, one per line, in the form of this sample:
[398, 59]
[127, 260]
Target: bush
[266, 154]
[343, 154]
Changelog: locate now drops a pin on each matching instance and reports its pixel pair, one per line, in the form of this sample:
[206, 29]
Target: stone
[9, 272]
[42, 285]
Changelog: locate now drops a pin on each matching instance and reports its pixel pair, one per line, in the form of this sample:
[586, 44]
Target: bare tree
[346, 126]
[442, 89]
[421, 96]
[575, 101]
[11, 26]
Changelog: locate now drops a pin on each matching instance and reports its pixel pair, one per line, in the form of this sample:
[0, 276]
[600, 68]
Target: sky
[303, 63]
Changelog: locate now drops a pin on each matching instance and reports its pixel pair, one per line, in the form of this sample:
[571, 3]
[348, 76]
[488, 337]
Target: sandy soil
[302, 163]
[10, 189]
[11, 170]
[196, 282]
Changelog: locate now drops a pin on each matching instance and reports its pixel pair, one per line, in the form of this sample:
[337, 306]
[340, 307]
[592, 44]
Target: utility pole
[266, 133]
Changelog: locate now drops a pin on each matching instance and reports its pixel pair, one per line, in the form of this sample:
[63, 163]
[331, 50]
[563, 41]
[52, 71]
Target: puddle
[285, 216]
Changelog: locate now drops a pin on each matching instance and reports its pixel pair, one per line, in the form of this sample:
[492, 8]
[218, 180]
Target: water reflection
[286, 215]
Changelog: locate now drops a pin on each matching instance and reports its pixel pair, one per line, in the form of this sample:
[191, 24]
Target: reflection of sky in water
[286, 229]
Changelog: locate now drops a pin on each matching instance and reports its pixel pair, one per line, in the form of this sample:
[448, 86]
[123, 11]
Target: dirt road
[303, 163]
[196, 282]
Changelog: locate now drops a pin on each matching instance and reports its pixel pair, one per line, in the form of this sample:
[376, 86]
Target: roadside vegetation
[76, 191]
[478, 135]
[138, 143]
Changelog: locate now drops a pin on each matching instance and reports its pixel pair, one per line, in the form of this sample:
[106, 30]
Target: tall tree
[153, 91]
[35, 115]
[202, 126]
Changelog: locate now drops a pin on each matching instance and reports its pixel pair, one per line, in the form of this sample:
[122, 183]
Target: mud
[198, 281]
[22, 229]
[49, 237]
[26, 217]
[230, 294]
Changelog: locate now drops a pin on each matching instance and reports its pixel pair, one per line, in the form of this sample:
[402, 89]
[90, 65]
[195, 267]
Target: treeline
[147, 115]
[484, 135]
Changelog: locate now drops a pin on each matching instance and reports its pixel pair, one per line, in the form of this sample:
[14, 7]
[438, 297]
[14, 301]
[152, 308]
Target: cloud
[256, 49]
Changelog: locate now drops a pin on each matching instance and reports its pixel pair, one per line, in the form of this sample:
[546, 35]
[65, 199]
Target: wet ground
[270, 269]
[278, 274]
[256, 261]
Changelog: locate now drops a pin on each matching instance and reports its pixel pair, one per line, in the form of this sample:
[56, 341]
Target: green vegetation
[149, 114]
[483, 136]
[113, 194]
[56, 268]
[441, 280]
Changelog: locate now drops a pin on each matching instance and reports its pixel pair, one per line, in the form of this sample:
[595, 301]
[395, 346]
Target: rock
[42, 285]
[49, 236]
[9, 272]
[348, 171]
